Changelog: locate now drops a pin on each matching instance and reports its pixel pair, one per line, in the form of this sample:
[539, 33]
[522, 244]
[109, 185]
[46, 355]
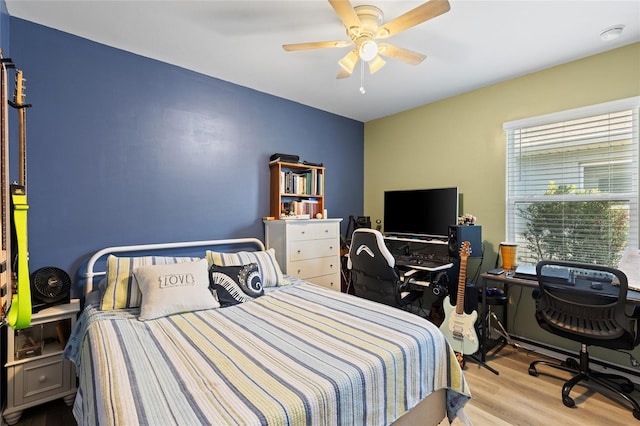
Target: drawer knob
[299, 270]
[299, 251]
[42, 379]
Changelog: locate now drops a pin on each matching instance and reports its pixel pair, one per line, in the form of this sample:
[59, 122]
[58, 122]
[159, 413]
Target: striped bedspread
[300, 355]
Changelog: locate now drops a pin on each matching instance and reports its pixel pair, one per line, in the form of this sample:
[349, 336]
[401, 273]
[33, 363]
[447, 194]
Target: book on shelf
[308, 182]
[308, 207]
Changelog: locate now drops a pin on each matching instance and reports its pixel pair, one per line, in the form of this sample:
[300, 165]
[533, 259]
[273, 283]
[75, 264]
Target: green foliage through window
[582, 231]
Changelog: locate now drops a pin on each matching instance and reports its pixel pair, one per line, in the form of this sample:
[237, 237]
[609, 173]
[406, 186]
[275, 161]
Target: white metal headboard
[91, 264]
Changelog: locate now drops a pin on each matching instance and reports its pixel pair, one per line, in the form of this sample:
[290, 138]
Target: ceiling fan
[365, 27]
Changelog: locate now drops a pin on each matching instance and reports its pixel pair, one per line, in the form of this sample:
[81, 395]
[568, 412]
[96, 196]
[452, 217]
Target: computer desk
[507, 280]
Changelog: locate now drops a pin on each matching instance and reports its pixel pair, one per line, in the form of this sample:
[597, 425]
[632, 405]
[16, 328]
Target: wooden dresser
[308, 249]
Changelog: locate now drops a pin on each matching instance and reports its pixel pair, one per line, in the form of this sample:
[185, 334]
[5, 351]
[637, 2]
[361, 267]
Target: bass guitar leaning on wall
[6, 288]
[20, 312]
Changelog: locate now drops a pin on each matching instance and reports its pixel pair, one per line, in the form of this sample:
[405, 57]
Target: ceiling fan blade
[315, 45]
[404, 55]
[376, 63]
[349, 61]
[343, 73]
[416, 16]
[346, 12]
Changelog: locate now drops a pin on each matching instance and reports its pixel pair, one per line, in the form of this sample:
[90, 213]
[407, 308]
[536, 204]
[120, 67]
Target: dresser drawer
[301, 250]
[329, 281]
[314, 267]
[39, 379]
[312, 231]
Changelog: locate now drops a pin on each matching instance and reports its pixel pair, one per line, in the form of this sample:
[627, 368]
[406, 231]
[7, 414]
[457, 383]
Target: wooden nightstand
[36, 372]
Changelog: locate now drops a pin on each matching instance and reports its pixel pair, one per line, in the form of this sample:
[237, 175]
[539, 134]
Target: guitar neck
[22, 106]
[6, 292]
[462, 280]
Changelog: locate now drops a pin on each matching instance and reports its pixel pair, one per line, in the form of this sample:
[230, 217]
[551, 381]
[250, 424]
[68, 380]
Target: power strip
[601, 276]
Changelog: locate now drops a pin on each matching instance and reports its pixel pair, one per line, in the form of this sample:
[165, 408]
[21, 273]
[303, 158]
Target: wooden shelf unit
[313, 193]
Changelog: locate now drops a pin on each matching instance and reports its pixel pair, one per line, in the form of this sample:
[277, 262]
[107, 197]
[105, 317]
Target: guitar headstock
[18, 94]
[465, 250]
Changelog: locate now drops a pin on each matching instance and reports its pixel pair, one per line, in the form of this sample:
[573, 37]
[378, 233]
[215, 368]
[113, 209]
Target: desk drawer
[301, 250]
[312, 231]
[314, 267]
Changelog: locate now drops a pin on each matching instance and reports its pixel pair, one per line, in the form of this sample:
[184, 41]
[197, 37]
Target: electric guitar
[459, 327]
[20, 312]
[6, 288]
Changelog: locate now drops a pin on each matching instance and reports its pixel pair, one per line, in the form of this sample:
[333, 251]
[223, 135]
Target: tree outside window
[580, 231]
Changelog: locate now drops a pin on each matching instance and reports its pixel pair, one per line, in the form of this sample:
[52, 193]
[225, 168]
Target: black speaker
[460, 233]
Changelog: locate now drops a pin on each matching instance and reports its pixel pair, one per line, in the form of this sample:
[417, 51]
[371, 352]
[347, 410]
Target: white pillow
[121, 289]
[172, 289]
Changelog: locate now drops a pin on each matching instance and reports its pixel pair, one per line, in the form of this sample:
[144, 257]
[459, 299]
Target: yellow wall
[459, 141]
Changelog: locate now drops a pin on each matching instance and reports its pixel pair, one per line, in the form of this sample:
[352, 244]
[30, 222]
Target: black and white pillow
[236, 284]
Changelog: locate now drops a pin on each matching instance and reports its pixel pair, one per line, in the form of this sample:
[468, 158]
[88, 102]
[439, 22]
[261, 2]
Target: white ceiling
[477, 43]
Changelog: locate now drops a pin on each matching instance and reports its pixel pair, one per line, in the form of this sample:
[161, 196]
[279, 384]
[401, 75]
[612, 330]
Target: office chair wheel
[532, 371]
[568, 401]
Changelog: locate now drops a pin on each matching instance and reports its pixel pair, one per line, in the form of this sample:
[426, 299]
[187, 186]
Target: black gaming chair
[586, 303]
[373, 273]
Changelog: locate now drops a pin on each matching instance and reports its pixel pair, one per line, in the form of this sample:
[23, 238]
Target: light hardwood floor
[516, 398]
[511, 398]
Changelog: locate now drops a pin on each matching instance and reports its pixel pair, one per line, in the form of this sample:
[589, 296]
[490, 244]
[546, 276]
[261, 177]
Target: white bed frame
[431, 411]
[91, 264]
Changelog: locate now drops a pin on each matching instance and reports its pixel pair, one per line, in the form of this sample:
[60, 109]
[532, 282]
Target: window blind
[572, 184]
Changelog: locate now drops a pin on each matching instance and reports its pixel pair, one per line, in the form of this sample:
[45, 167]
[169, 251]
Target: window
[572, 184]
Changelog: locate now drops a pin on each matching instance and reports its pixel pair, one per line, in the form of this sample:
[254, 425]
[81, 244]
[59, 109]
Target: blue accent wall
[4, 28]
[122, 149]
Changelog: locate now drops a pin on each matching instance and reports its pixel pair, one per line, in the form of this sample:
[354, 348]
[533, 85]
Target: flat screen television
[420, 212]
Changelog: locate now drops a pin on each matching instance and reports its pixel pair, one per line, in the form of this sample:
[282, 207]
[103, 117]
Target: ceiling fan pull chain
[362, 91]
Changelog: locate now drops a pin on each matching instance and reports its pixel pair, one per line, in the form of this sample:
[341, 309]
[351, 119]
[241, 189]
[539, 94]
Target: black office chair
[586, 303]
[373, 273]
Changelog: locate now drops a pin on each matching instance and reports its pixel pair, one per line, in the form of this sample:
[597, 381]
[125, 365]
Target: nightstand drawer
[41, 378]
[301, 250]
[313, 231]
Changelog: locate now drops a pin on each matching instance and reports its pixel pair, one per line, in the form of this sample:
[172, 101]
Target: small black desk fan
[50, 286]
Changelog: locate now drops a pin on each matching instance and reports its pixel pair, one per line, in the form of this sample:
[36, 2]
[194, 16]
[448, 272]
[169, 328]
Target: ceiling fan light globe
[368, 50]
